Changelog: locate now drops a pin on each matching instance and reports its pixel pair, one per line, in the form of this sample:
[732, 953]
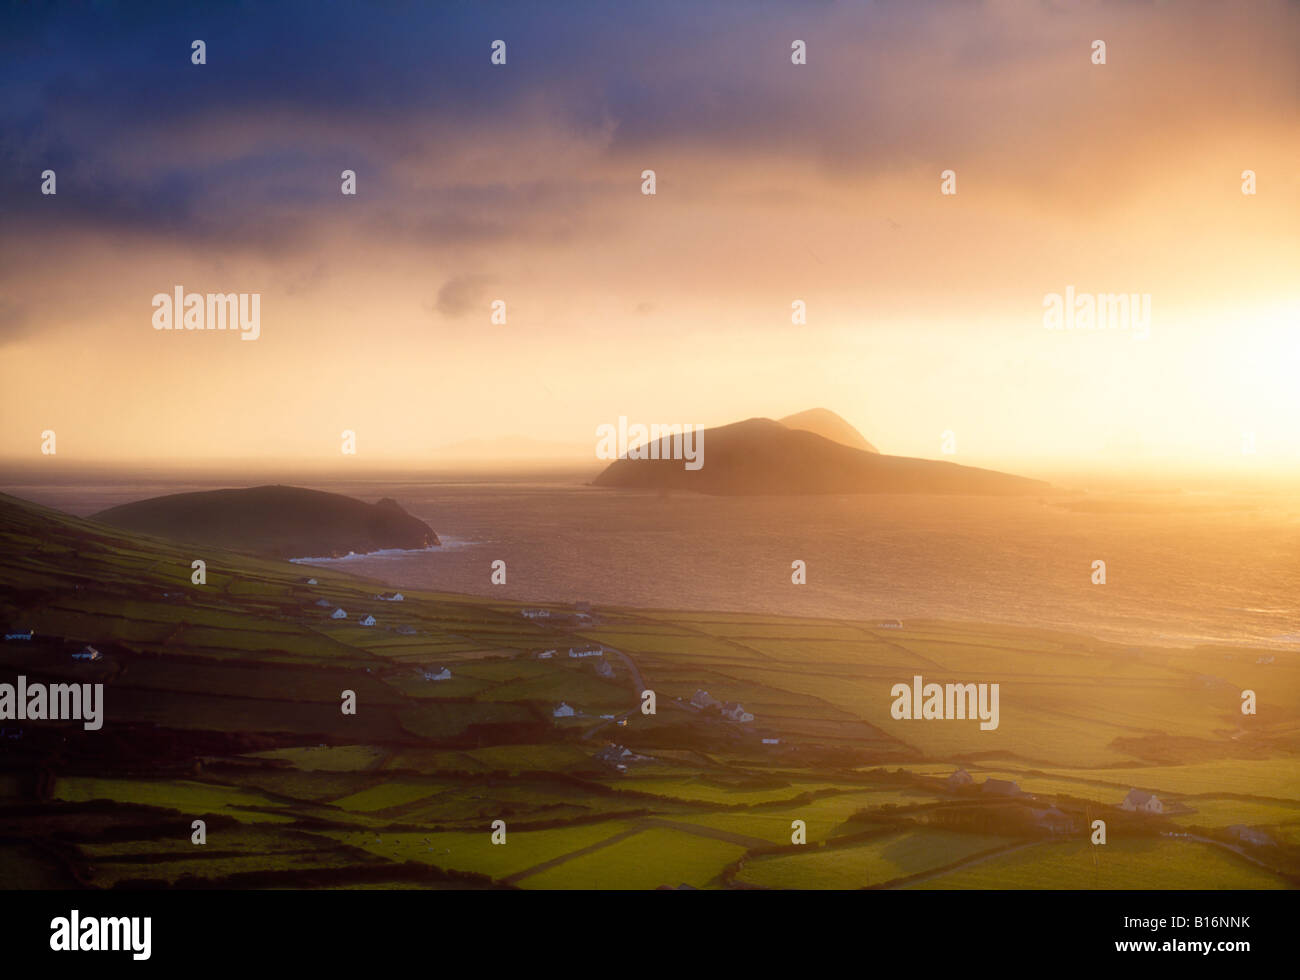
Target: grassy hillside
[223, 703]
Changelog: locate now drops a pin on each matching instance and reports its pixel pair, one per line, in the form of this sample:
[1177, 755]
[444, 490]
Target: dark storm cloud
[248, 148]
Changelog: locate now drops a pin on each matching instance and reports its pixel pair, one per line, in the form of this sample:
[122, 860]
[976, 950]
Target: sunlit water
[1181, 568]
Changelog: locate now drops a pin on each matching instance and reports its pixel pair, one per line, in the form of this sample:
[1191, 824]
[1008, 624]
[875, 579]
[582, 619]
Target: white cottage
[338, 614]
[563, 711]
[442, 674]
[1141, 802]
[736, 712]
[368, 621]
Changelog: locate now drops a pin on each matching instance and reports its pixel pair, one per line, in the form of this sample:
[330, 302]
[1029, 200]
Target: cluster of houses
[1051, 818]
[341, 613]
[731, 710]
[1137, 801]
[619, 757]
[603, 667]
[581, 614]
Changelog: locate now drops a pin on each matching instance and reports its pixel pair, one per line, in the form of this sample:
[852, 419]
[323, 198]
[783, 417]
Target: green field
[223, 703]
[875, 862]
[1157, 864]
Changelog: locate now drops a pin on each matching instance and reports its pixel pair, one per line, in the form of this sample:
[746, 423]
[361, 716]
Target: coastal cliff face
[760, 456]
[275, 521]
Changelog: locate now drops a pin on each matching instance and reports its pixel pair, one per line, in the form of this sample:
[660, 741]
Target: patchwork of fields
[223, 704]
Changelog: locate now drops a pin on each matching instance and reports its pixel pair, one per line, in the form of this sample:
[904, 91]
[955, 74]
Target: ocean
[1181, 568]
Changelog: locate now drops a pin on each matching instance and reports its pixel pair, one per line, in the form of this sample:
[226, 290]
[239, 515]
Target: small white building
[20, 635]
[890, 624]
[442, 674]
[324, 603]
[312, 581]
[771, 741]
[546, 655]
[536, 613]
[338, 614]
[604, 669]
[88, 653]
[368, 621]
[578, 652]
[736, 712]
[563, 711]
[1142, 802]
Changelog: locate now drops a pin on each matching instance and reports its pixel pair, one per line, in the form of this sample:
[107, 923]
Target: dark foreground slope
[277, 521]
[760, 456]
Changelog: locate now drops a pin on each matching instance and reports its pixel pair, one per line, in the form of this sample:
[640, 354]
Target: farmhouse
[390, 597]
[563, 711]
[88, 653]
[1251, 835]
[959, 779]
[1053, 820]
[546, 655]
[590, 651]
[618, 756]
[604, 669]
[338, 614]
[325, 603]
[20, 635]
[736, 712]
[368, 621]
[441, 674]
[1142, 802]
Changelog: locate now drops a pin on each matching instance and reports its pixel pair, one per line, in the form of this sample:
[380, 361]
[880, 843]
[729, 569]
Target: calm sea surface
[1181, 568]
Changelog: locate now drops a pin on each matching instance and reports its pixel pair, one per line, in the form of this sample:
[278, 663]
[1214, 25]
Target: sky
[775, 182]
